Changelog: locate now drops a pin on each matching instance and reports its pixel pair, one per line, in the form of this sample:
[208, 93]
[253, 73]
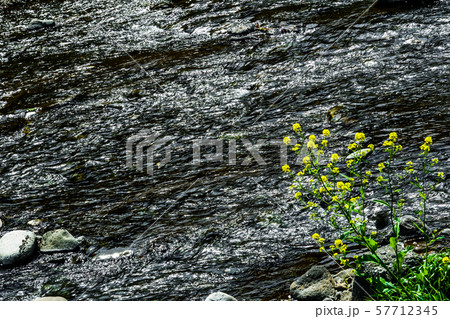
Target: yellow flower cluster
[326, 133]
[440, 175]
[353, 146]
[446, 260]
[393, 137]
[409, 167]
[381, 166]
[334, 157]
[311, 144]
[287, 140]
[297, 128]
[306, 160]
[298, 195]
[286, 168]
[360, 137]
[426, 146]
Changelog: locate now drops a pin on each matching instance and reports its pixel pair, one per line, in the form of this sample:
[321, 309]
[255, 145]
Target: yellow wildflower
[343, 249]
[324, 143]
[321, 240]
[324, 178]
[349, 163]
[311, 144]
[312, 138]
[322, 249]
[388, 143]
[352, 146]
[435, 161]
[298, 195]
[380, 178]
[446, 260]
[371, 146]
[286, 168]
[315, 236]
[321, 189]
[296, 147]
[440, 175]
[429, 140]
[287, 140]
[398, 148]
[334, 157]
[381, 166]
[374, 233]
[335, 170]
[369, 173]
[425, 147]
[335, 198]
[360, 137]
[393, 136]
[297, 128]
[356, 257]
[340, 185]
[332, 247]
[306, 160]
[326, 133]
[335, 254]
[364, 181]
[337, 243]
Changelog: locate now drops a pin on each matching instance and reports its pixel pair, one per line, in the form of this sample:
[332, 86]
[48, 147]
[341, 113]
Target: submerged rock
[220, 296]
[16, 247]
[40, 24]
[58, 240]
[315, 285]
[113, 253]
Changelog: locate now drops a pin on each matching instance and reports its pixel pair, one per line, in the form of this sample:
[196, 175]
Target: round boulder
[17, 246]
[220, 296]
[58, 240]
[315, 285]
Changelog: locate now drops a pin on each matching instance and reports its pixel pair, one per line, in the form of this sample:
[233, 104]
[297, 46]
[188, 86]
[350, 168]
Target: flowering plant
[336, 193]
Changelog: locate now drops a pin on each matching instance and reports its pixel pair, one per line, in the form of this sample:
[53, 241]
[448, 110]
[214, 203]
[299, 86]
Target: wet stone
[17, 247]
[40, 24]
[58, 240]
[50, 298]
[220, 296]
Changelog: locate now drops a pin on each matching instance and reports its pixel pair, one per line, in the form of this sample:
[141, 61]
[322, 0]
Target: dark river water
[232, 72]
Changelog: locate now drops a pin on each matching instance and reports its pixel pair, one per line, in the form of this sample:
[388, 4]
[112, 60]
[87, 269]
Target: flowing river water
[237, 72]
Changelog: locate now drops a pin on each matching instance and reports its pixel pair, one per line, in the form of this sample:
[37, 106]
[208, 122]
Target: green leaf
[372, 243]
[368, 259]
[380, 201]
[393, 242]
[345, 176]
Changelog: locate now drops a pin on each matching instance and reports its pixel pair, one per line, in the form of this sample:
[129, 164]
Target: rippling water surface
[72, 95]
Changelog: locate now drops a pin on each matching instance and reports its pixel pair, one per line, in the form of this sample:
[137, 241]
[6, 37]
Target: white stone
[17, 246]
[220, 296]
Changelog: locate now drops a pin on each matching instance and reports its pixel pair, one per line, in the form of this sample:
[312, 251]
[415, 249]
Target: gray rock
[220, 296]
[1, 223]
[16, 247]
[57, 241]
[445, 233]
[408, 228]
[315, 285]
[40, 24]
[50, 298]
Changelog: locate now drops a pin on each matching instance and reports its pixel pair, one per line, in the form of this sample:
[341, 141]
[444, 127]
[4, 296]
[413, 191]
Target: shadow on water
[238, 72]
